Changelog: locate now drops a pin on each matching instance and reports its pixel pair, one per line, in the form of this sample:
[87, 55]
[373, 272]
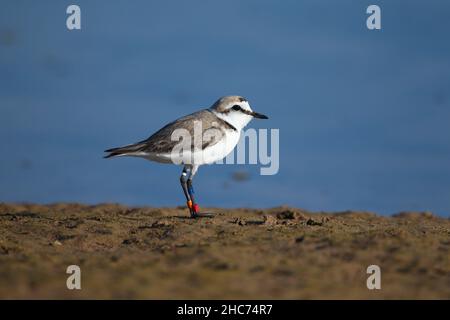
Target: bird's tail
[125, 150]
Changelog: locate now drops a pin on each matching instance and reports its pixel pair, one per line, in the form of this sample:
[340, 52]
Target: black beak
[259, 115]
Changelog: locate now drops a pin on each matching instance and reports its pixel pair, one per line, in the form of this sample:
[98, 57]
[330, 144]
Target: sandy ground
[278, 253]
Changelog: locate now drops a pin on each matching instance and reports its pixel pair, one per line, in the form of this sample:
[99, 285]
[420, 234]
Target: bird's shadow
[209, 215]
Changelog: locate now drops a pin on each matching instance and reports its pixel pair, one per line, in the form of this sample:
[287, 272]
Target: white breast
[221, 149]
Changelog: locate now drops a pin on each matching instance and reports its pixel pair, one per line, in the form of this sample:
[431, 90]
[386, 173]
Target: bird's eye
[236, 107]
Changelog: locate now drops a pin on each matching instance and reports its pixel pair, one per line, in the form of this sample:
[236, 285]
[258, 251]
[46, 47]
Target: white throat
[237, 119]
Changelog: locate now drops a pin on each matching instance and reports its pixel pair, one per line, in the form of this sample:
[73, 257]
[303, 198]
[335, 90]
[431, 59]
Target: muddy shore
[279, 253]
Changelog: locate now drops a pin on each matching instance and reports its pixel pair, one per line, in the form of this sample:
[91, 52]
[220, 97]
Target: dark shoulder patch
[226, 124]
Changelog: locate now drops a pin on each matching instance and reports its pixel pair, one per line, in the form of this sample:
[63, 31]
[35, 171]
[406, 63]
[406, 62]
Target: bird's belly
[220, 150]
[208, 155]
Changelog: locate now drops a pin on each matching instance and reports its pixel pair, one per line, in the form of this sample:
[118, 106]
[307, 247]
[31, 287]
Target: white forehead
[245, 105]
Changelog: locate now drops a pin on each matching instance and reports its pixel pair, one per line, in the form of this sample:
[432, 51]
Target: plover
[208, 135]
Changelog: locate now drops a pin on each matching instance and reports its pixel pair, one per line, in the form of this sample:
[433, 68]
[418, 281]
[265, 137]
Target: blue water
[363, 115]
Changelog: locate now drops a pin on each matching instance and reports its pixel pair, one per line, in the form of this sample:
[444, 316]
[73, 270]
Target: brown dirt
[241, 253]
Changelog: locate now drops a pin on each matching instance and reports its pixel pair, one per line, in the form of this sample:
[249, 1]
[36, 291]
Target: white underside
[207, 156]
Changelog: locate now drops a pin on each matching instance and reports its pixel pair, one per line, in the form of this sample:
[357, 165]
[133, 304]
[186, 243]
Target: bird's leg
[194, 206]
[195, 210]
[183, 182]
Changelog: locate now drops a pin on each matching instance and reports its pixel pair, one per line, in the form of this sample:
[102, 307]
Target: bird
[206, 136]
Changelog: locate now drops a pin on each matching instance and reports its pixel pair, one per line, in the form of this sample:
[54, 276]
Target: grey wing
[202, 127]
[164, 140]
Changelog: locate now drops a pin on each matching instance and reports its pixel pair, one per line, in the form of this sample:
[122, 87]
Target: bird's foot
[202, 215]
[194, 209]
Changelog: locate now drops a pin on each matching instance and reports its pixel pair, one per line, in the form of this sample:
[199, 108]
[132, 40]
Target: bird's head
[236, 111]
